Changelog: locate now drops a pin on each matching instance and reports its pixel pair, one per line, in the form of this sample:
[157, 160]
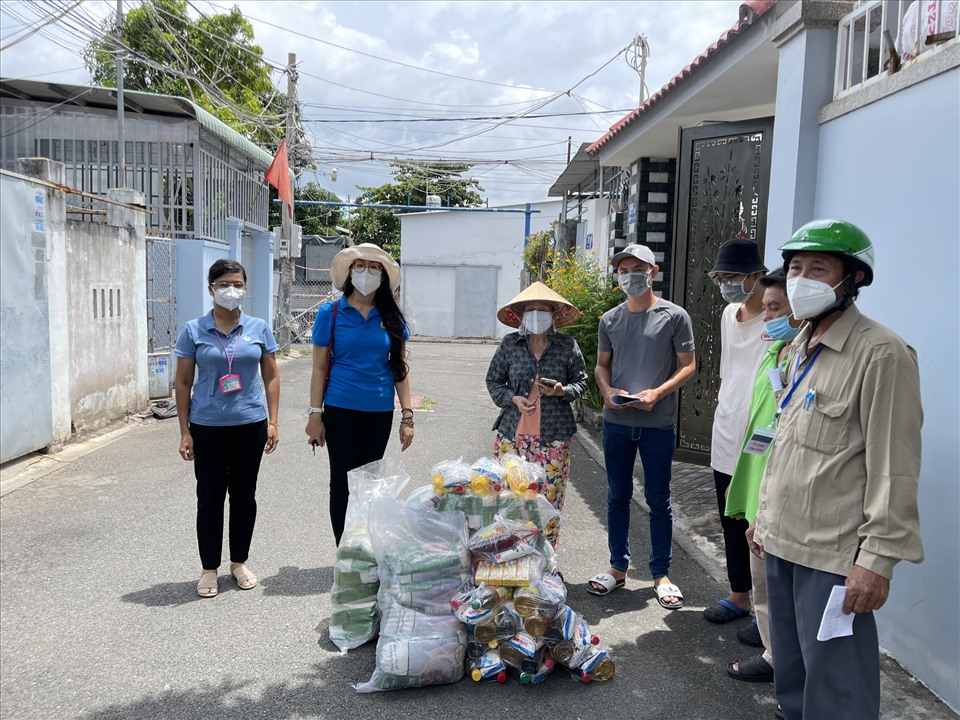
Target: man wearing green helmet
[838, 502]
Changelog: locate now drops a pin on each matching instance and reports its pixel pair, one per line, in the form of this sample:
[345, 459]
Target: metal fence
[161, 313]
[293, 326]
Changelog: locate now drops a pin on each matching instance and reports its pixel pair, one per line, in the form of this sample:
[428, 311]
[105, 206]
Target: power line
[462, 119]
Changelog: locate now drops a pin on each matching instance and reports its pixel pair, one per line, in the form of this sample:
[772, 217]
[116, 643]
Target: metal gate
[161, 313]
[724, 176]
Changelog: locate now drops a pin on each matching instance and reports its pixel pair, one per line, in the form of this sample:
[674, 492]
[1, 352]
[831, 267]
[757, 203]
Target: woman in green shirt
[744, 490]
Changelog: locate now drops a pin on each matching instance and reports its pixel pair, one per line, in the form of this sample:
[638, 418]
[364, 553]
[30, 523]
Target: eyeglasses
[372, 268]
[225, 285]
[721, 281]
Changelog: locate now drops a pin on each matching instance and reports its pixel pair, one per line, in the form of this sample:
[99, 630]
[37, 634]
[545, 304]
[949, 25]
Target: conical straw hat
[563, 312]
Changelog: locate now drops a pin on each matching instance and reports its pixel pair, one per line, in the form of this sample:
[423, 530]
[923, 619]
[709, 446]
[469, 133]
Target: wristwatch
[312, 410]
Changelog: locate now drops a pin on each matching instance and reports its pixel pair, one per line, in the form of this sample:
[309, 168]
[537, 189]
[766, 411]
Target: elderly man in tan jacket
[838, 502]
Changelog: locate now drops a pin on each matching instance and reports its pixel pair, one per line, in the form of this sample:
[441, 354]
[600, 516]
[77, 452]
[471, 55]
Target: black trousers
[226, 459]
[734, 539]
[354, 438]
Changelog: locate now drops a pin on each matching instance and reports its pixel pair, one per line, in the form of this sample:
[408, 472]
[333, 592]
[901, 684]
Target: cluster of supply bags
[459, 572]
[521, 621]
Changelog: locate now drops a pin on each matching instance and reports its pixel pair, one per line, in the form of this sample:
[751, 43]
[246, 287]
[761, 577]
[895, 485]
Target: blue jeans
[656, 447]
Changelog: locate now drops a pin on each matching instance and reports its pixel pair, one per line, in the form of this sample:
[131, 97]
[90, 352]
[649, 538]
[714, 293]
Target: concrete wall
[436, 243]
[106, 285]
[32, 228]
[891, 168]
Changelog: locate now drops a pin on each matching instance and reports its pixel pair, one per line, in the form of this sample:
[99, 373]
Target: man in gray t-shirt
[645, 354]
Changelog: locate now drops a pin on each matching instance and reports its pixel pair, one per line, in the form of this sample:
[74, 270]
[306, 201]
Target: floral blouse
[512, 371]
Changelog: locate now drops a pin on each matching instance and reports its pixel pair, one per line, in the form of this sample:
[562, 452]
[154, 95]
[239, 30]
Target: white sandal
[606, 581]
[207, 587]
[669, 590]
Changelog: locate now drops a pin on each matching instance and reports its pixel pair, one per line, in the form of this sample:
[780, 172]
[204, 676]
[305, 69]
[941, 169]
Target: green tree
[317, 219]
[212, 60]
[412, 183]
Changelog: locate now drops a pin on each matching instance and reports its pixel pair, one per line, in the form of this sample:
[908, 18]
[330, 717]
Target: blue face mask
[780, 328]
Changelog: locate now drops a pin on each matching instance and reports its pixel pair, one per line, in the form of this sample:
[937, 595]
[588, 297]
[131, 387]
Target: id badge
[760, 441]
[230, 384]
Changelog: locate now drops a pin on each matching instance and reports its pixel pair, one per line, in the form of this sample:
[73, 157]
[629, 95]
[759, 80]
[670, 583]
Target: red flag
[278, 175]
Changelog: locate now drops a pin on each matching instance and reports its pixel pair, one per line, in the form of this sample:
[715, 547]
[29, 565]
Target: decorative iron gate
[161, 313]
[724, 175]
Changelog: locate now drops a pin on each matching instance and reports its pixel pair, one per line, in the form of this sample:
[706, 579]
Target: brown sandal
[246, 580]
[207, 587]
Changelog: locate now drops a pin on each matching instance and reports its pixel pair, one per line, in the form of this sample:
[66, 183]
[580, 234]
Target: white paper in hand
[835, 623]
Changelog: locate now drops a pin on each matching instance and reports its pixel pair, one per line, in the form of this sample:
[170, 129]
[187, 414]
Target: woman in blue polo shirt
[224, 426]
[359, 362]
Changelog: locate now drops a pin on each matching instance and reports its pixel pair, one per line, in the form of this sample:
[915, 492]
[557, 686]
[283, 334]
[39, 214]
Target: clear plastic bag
[503, 540]
[355, 614]
[423, 562]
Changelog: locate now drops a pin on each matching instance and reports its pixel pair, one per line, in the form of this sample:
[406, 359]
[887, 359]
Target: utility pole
[121, 144]
[287, 269]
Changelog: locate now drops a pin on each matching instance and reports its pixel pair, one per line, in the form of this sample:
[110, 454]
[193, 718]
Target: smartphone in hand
[549, 382]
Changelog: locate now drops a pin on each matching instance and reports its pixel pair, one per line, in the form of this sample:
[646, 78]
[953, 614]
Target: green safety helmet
[837, 237]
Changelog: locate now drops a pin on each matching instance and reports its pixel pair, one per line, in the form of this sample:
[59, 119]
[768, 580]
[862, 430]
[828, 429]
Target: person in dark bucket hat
[737, 273]
[738, 256]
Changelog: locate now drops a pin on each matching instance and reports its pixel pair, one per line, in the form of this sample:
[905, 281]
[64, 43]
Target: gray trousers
[837, 679]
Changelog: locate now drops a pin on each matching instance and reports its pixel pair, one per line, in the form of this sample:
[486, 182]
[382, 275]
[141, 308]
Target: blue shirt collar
[206, 322]
[344, 305]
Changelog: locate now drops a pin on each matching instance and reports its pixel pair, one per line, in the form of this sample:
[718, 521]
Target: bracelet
[407, 421]
[406, 410]
[274, 423]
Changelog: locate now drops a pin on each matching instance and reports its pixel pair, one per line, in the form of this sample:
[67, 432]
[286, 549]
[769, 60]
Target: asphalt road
[99, 616]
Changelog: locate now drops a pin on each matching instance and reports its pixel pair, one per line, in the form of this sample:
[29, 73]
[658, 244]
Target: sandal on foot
[724, 611]
[669, 590]
[207, 587]
[246, 580]
[604, 584]
[756, 669]
[750, 635]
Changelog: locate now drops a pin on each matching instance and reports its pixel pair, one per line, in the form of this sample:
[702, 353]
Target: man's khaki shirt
[841, 481]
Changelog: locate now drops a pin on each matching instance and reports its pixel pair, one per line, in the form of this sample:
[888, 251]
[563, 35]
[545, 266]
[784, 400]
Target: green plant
[426, 403]
[537, 254]
[586, 285]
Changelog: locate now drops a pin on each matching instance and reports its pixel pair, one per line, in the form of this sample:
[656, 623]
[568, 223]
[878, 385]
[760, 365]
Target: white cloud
[534, 46]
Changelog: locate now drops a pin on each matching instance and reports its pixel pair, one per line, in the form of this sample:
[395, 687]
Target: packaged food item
[355, 613]
[503, 540]
[423, 562]
[487, 475]
[488, 666]
[451, 476]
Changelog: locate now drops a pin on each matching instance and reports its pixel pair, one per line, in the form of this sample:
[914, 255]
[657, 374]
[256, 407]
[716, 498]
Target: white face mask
[634, 284]
[365, 281]
[229, 298]
[809, 298]
[536, 322]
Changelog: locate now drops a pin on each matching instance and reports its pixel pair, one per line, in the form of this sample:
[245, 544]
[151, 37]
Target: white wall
[106, 282]
[892, 168]
[455, 239]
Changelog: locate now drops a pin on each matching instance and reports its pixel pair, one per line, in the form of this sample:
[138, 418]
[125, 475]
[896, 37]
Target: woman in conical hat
[535, 376]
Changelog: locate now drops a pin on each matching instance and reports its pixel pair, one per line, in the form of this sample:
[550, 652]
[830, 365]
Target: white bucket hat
[340, 266]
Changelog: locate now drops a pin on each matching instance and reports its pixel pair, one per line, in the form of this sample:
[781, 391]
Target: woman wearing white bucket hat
[534, 376]
[359, 362]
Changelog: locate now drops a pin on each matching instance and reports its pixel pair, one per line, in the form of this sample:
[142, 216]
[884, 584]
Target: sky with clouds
[420, 64]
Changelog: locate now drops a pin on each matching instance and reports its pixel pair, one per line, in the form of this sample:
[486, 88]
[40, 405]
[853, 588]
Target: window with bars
[879, 36]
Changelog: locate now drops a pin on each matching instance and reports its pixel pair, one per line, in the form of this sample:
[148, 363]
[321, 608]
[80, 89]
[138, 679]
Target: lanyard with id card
[230, 383]
[761, 438]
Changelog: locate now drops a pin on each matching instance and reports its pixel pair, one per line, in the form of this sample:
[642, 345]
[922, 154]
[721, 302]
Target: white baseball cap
[640, 252]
